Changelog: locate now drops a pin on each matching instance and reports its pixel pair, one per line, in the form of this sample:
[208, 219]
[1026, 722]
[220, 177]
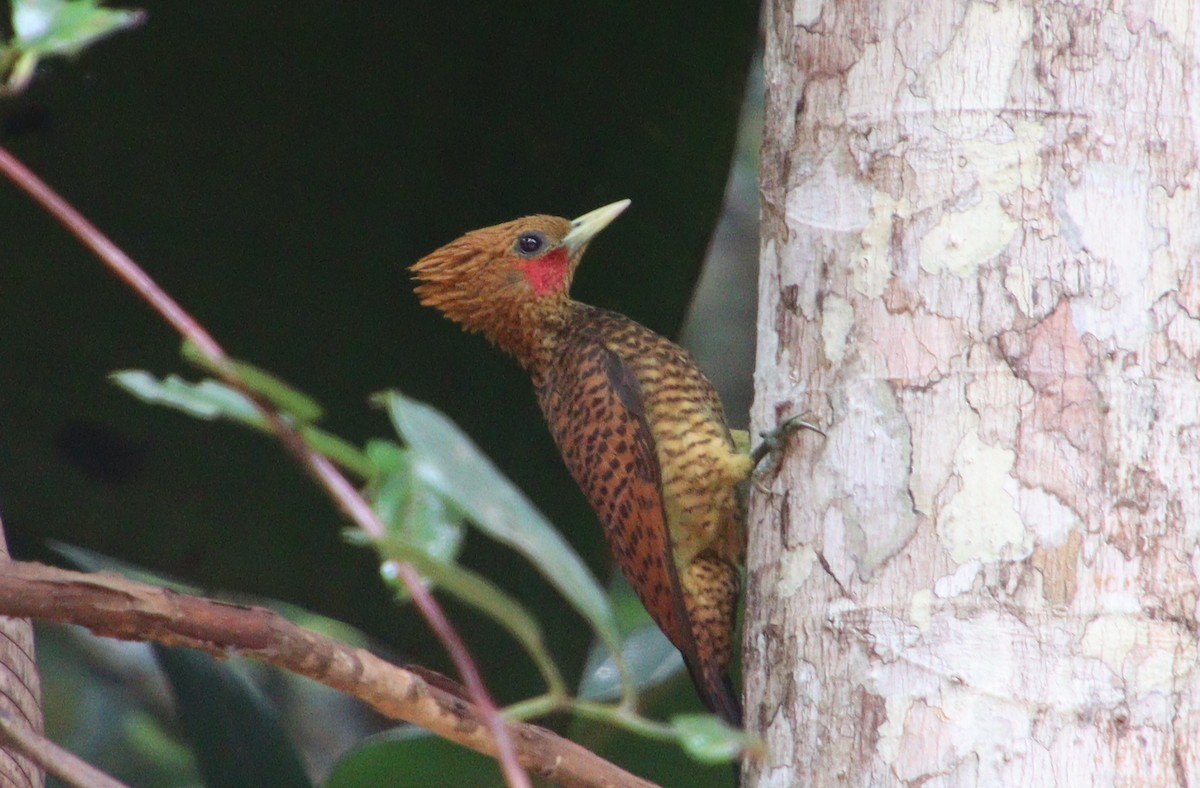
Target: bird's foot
[774, 440]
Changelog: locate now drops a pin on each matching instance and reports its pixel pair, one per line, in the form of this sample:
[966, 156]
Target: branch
[117, 607]
[63, 764]
[20, 693]
[320, 468]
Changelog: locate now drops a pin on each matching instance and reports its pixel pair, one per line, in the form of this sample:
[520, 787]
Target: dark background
[276, 166]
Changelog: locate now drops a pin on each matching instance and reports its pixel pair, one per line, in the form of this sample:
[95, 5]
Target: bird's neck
[534, 336]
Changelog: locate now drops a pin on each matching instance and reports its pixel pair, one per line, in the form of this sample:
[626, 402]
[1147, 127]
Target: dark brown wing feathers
[593, 404]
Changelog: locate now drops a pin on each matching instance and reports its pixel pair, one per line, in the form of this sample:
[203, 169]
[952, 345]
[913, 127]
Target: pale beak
[585, 227]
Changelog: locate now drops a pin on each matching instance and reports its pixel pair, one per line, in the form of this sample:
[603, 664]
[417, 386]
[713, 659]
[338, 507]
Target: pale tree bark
[981, 273]
[20, 693]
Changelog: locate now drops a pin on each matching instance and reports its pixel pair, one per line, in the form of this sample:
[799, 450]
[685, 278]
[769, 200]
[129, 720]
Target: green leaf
[150, 738]
[424, 526]
[414, 514]
[207, 399]
[412, 756]
[709, 739]
[64, 27]
[650, 658]
[211, 399]
[286, 398]
[236, 734]
[479, 592]
[91, 561]
[452, 464]
[44, 28]
[426, 530]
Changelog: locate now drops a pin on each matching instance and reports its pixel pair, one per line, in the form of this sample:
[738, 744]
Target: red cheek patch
[548, 273]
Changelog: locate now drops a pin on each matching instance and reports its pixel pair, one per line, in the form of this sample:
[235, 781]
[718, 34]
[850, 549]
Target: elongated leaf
[412, 512]
[426, 530]
[453, 465]
[207, 399]
[412, 756]
[286, 398]
[64, 27]
[211, 399]
[709, 740]
[86, 560]
[91, 561]
[44, 28]
[482, 594]
[236, 734]
[649, 656]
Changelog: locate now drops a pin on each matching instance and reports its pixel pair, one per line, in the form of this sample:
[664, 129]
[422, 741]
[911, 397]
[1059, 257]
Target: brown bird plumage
[639, 426]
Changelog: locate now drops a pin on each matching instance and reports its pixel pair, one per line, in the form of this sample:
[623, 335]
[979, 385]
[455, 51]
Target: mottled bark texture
[981, 272]
[20, 693]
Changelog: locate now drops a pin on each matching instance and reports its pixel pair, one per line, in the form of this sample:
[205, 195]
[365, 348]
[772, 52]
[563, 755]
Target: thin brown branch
[474, 682]
[63, 764]
[119, 262]
[114, 606]
[338, 487]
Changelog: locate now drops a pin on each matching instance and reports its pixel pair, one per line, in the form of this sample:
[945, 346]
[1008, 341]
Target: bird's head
[495, 279]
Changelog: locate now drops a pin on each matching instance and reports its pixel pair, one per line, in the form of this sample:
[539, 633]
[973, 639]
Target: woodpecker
[639, 426]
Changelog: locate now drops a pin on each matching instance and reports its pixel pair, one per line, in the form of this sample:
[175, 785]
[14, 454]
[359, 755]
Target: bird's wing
[593, 403]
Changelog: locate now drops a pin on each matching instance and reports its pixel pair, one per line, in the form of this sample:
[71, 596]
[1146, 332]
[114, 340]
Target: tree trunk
[981, 273]
[20, 691]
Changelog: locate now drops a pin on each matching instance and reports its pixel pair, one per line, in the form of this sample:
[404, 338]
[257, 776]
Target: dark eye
[531, 243]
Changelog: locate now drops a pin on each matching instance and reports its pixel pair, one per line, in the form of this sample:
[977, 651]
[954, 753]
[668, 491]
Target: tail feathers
[721, 698]
[733, 700]
[718, 693]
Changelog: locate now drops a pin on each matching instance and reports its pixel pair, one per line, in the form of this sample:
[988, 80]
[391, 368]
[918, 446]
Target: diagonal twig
[63, 764]
[115, 606]
[346, 497]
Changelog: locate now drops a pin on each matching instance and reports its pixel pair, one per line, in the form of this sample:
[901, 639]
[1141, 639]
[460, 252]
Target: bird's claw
[774, 440]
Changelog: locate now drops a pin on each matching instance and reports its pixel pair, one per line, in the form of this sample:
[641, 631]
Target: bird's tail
[711, 590]
[717, 692]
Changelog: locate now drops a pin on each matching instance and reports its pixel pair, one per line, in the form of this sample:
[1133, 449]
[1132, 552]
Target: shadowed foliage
[277, 170]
